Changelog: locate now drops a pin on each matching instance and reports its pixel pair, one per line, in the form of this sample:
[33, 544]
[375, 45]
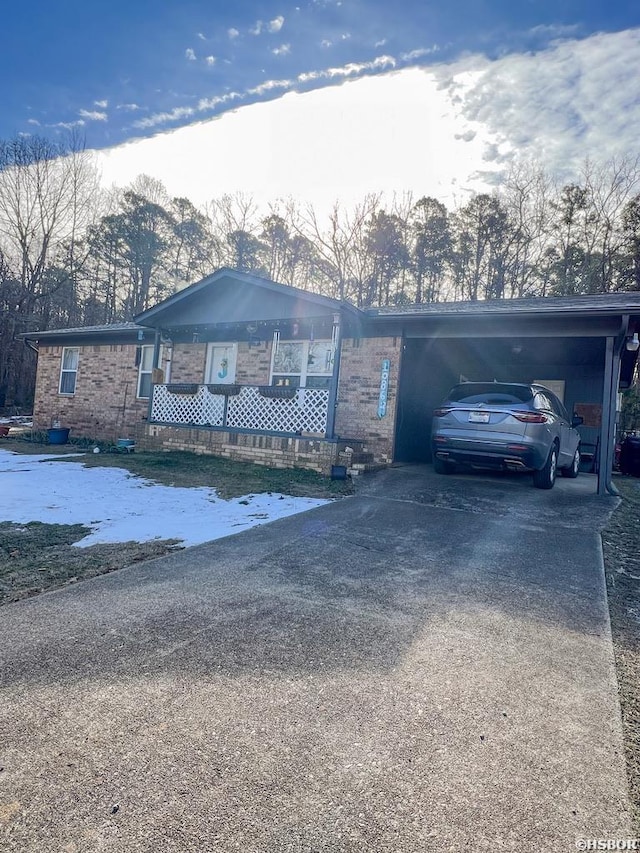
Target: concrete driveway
[426, 666]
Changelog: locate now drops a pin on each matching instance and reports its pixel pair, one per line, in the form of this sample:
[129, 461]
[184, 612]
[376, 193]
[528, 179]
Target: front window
[302, 364]
[69, 370]
[145, 372]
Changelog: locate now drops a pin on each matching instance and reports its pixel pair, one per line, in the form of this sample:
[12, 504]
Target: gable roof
[229, 296]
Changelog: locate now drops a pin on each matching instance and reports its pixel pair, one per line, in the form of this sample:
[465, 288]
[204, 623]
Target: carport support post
[335, 377]
[608, 425]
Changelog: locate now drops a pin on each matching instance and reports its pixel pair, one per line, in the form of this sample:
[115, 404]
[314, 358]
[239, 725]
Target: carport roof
[601, 303]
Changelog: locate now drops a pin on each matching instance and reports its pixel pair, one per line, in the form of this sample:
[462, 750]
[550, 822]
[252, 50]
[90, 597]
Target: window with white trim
[145, 372]
[69, 370]
[302, 364]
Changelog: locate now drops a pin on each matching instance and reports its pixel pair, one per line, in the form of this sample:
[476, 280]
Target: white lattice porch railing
[200, 409]
[187, 405]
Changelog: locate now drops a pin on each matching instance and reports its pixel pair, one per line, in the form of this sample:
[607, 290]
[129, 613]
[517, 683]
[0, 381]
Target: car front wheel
[574, 469]
[546, 476]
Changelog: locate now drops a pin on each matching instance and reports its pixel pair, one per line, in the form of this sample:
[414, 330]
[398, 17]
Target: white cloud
[575, 99]
[68, 125]
[92, 115]
[165, 117]
[256, 29]
[428, 130]
[233, 33]
[283, 50]
[212, 103]
[276, 25]
[378, 133]
[345, 36]
[380, 43]
[129, 107]
[555, 31]
[33, 121]
[352, 69]
[102, 104]
[190, 54]
[269, 86]
[419, 53]
[326, 43]
[210, 60]
[201, 36]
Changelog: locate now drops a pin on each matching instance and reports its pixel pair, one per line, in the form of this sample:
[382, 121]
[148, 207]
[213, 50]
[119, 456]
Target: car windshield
[490, 393]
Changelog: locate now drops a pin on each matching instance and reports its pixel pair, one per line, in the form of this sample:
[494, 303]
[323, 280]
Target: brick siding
[273, 451]
[254, 363]
[104, 405]
[359, 392]
[252, 367]
[188, 363]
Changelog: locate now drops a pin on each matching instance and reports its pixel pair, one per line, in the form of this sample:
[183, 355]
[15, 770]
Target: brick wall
[269, 450]
[254, 363]
[104, 405]
[252, 366]
[359, 391]
[188, 363]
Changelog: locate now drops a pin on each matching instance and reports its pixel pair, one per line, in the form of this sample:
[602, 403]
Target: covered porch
[246, 368]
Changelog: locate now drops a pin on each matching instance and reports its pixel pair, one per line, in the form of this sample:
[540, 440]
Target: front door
[221, 364]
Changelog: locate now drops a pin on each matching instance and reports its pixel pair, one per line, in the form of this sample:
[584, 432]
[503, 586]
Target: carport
[584, 348]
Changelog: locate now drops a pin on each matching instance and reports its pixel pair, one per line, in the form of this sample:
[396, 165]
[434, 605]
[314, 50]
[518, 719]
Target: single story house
[240, 366]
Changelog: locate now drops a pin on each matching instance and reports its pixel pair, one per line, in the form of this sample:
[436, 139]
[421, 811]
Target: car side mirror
[577, 420]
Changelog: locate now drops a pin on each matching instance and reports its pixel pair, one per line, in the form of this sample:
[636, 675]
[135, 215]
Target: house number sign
[384, 387]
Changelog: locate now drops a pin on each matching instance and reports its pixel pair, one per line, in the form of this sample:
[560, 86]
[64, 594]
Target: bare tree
[344, 263]
[610, 187]
[48, 192]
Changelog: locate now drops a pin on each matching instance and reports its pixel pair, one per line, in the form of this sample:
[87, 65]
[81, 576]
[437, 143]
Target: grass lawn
[37, 557]
[621, 543]
[177, 468]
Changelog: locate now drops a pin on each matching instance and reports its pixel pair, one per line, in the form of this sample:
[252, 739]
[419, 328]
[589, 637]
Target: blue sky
[121, 70]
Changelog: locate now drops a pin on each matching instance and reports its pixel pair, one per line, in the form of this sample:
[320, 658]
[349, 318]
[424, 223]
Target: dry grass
[37, 557]
[621, 542]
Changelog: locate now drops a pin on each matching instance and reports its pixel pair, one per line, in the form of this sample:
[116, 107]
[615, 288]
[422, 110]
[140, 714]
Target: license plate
[479, 417]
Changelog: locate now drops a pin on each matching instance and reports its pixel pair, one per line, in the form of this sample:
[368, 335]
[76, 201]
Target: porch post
[154, 366]
[156, 349]
[608, 425]
[332, 405]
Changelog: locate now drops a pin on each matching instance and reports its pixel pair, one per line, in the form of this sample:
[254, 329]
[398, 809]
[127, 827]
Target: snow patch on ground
[120, 507]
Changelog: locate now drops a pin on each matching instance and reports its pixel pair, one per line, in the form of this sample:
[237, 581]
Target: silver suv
[508, 426]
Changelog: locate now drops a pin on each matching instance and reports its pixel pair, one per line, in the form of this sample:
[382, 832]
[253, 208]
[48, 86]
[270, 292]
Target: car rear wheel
[574, 469]
[546, 476]
[441, 466]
